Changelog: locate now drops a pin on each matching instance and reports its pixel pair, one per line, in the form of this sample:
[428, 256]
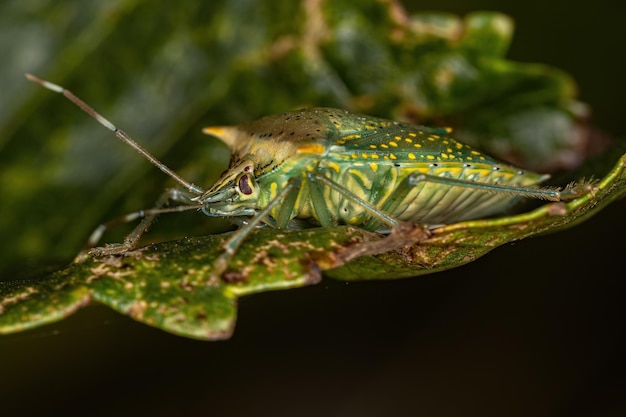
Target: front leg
[130, 242]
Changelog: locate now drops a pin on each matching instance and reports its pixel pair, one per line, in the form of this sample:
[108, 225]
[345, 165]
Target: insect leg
[402, 233]
[288, 195]
[319, 204]
[287, 208]
[380, 215]
[147, 217]
[541, 193]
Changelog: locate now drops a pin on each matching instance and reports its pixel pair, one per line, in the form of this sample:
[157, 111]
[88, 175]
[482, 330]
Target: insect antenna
[123, 136]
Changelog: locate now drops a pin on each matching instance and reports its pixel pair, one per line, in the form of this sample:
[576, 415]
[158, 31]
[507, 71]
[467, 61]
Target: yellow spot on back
[411, 156]
[394, 144]
[392, 156]
[314, 148]
[408, 140]
[334, 166]
[412, 134]
[418, 145]
[373, 146]
[430, 157]
[384, 146]
[374, 166]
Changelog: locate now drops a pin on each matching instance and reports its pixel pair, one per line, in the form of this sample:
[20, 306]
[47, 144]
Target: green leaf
[174, 286]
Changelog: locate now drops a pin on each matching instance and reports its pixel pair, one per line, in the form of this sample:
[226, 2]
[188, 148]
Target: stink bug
[323, 167]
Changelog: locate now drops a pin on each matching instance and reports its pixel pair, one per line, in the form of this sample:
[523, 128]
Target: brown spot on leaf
[234, 277]
[186, 285]
[21, 296]
[313, 271]
[557, 209]
[137, 309]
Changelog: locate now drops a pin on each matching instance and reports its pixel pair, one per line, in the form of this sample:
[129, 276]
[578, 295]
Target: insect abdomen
[425, 202]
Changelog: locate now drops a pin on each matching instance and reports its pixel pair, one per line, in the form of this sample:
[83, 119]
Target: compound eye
[244, 184]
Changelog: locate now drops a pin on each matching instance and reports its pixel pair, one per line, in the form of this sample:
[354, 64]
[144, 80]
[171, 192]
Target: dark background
[534, 328]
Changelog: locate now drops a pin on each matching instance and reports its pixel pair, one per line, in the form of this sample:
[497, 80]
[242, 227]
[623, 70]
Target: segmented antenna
[123, 136]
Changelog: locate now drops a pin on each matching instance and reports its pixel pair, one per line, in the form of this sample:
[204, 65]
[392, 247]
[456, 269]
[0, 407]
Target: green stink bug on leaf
[323, 167]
